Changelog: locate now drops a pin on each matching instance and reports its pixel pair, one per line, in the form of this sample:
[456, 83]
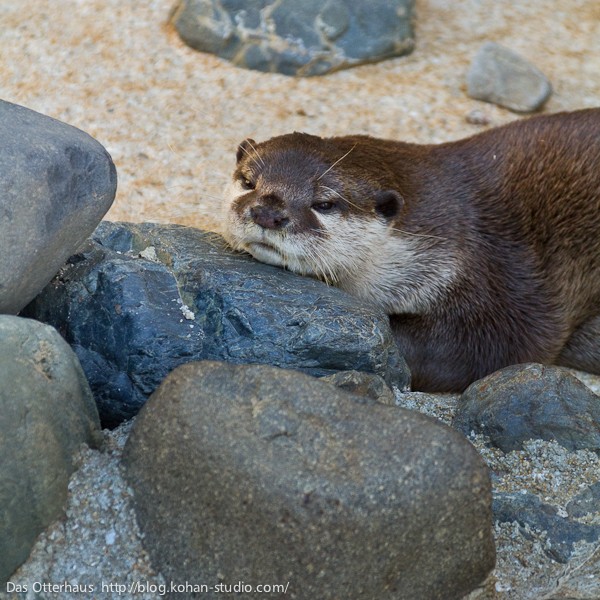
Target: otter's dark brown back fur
[522, 204]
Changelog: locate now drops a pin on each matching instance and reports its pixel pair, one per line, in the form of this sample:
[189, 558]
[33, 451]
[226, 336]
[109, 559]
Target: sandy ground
[172, 117]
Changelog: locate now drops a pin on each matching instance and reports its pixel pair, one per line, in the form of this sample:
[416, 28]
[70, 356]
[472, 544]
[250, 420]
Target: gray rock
[531, 401]
[311, 37]
[256, 474]
[46, 413]
[56, 183]
[561, 533]
[132, 320]
[364, 385]
[585, 503]
[502, 77]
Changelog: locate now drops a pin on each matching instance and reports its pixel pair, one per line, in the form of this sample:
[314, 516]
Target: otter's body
[485, 252]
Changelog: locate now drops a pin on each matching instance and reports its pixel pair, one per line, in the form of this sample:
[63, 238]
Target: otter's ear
[388, 203]
[246, 147]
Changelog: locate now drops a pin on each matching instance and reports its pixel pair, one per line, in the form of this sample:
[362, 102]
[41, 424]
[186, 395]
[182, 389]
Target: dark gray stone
[531, 401]
[502, 77]
[311, 37]
[258, 474]
[132, 320]
[56, 183]
[46, 413]
[528, 510]
[585, 503]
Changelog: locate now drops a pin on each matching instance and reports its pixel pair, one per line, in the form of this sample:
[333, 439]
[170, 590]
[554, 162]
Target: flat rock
[131, 320]
[46, 413]
[256, 474]
[531, 401]
[56, 183]
[586, 503]
[561, 532]
[312, 37]
[502, 77]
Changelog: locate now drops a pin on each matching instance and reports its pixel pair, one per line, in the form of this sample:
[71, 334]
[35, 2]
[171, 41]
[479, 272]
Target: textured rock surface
[586, 503]
[311, 37]
[531, 401]
[46, 412]
[286, 479]
[500, 76]
[562, 532]
[365, 385]
[131, 320]
[56, 183]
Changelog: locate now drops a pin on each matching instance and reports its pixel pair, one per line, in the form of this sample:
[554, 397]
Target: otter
[484, 252]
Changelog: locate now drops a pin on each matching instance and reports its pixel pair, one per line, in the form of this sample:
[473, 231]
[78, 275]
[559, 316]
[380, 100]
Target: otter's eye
[247, 184]
[323, 207]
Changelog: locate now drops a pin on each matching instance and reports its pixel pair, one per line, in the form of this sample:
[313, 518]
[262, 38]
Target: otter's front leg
[582, 350]
[439, 361]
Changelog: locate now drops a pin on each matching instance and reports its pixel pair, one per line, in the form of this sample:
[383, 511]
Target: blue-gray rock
[46, 413]
[132, 320]
[56, 183]
[562, 533]
[257, 474]
[532, 401]
[585, 503]
[311, 37]
[502, 77]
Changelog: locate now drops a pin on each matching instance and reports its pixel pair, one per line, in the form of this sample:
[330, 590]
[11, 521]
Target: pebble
[501, 76]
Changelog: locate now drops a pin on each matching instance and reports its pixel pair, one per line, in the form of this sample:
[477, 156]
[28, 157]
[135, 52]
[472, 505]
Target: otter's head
[309, 204]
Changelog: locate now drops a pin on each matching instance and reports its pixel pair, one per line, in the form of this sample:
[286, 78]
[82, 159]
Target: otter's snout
[269, 217]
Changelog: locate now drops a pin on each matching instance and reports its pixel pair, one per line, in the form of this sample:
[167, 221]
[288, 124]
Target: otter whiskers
[251, 154]
[339, 160]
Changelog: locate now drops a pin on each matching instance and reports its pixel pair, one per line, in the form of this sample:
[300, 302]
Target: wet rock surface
[297, 38]
[46, 413]
[286, 479]
[56, 184]
[140, 300]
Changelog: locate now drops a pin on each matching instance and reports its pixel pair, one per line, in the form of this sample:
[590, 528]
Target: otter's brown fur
[485, 252]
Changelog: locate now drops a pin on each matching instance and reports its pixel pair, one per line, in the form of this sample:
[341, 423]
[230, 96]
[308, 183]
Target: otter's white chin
[265, 253]
[272, 256]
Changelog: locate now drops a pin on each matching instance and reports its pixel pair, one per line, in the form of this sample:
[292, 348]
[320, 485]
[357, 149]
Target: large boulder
[256, 474]
[311, 37]
[56, 183]
[46, 412]
[131, 320]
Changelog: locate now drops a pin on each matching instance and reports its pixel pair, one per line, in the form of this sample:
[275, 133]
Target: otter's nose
[269, 217]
